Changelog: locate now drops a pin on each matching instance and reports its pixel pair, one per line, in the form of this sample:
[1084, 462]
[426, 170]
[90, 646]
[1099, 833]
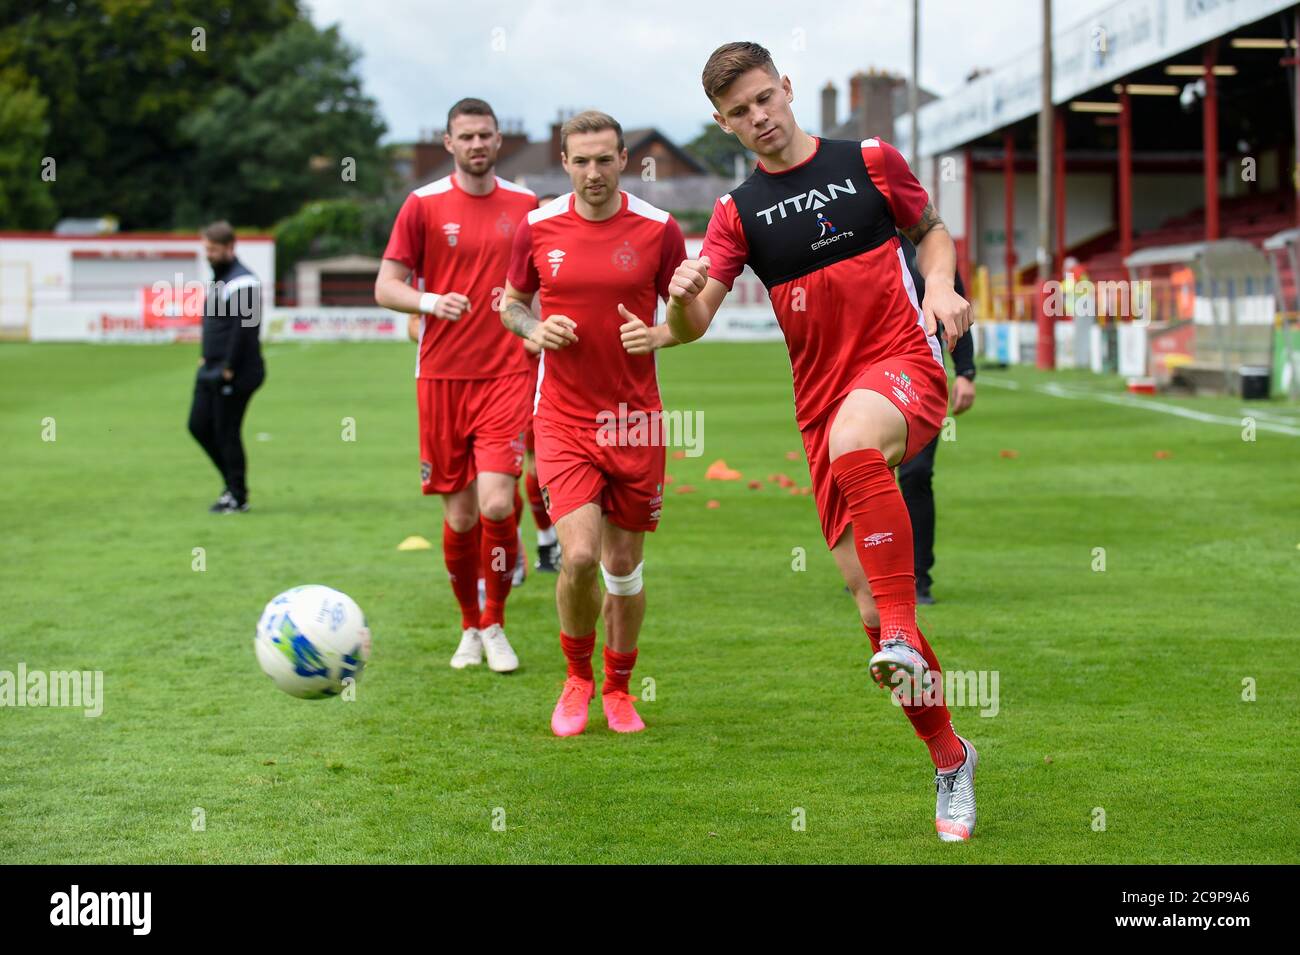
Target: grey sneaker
[548, 558]
[954, 806]
[900, 668]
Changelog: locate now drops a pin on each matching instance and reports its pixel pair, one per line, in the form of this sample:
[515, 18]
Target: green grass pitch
[1120, 691]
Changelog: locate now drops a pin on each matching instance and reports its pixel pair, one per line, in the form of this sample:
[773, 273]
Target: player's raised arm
[936, 260]
[556, 332]
[393, 290]
[936, 255]
[522, 283]
[693, 299]
[638, 338]
[405, 251]
[698, 287]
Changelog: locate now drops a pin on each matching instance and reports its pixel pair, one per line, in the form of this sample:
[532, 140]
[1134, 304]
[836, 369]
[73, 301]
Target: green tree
[119, 77]
[716, 149]
[334, 227]
[294, 124]
[25, 195]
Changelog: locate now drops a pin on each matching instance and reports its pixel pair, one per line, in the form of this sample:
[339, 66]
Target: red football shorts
[918, 387]
[530, 440]
[575, 468]
[470, 426]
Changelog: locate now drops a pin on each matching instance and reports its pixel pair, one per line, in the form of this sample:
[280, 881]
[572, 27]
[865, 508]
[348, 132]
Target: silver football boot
[954, 806]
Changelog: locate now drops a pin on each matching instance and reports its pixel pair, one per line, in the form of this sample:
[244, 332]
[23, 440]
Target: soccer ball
[312, 639]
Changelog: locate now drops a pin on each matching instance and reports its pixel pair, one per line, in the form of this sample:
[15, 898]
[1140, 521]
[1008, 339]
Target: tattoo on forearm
[519, 318]
[929, 221]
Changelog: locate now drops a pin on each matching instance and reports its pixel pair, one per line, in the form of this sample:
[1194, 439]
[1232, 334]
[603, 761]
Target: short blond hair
[731, 60]
[589, 121]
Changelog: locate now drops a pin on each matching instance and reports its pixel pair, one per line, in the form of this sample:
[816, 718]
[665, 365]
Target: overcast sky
[641, 60]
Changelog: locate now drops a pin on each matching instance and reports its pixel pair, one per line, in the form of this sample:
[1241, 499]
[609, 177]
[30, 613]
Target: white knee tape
[625, 586]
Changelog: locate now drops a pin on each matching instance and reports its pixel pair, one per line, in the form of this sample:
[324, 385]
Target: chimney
[857, 85]
[429, 155]
[830, 108]
[873, 104]
[556, 145]
[513, 139]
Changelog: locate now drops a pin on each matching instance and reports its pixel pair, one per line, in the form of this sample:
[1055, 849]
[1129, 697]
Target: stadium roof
[1222, 255]
[1127, 36]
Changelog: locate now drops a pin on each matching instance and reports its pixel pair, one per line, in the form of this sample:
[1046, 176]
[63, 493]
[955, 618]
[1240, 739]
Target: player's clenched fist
[689, 280]
[555, 333]
[943, 306]
[451, 306]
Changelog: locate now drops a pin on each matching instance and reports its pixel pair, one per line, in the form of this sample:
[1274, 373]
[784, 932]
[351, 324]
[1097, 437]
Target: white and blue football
[312, 639]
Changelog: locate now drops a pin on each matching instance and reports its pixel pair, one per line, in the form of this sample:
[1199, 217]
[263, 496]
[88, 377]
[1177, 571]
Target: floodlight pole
[1046, 350]
[913, 94]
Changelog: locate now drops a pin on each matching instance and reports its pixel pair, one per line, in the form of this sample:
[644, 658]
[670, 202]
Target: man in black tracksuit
[231, 368]
[914, 477]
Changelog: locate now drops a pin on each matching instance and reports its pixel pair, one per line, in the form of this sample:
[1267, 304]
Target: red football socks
[500, 549]
[578, 651]
[933, 723]
[540, 517]
[519, 505]
[460, 551]
[618, 670]
[882, 538]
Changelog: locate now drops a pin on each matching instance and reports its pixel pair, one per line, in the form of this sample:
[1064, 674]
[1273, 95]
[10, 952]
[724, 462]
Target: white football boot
[900, 668]
[954, 807]
[500, 656]
[470, 651]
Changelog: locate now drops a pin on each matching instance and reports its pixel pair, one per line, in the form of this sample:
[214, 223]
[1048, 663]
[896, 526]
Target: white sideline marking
[1125, 401]
[1270, 415]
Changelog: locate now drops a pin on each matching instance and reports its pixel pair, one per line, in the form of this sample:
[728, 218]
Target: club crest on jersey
[452, 231]
[504, 225]
[625, 257]
[556, 258]
[808, 201]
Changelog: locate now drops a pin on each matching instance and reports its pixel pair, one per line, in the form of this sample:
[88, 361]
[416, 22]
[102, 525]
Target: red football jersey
[457, 242]
[821, 235]
[584, 269]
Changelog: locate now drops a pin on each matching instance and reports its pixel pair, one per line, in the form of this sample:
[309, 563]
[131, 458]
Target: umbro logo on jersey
[808, 201]
[556, 258]
[881, 537]
[451, 230]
